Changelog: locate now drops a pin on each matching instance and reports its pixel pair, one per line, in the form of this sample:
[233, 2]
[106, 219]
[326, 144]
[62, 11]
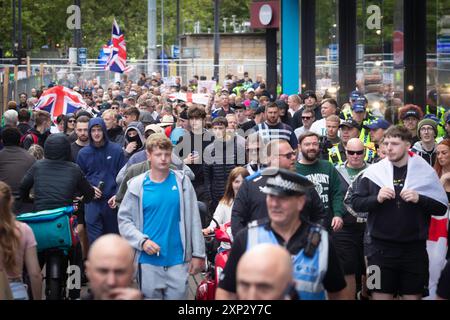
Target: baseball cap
[355, 95]
[447, 119]
[154, 127]
[411, 113]
[309, 93]
[379, 123]
[350, 123]
[166, 121]
[250, 90]
[361, 100]
[358, 107]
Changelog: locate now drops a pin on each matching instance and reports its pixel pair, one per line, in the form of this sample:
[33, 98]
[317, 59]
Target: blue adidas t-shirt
[161, 205]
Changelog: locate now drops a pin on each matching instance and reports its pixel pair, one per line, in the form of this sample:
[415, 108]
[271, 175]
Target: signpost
[82, 56]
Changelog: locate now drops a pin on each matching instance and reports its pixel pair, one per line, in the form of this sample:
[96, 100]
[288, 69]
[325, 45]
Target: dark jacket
[190, 142]
[14, 164]
[116, 135]
[140, 139]
[23, 127]
[56, 180]
[395, 221]
[28, 138]
[220, 159]
[101, 163]
[250, 204]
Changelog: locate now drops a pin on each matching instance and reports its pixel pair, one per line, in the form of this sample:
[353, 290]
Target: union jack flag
[60, 100]
[117, 60]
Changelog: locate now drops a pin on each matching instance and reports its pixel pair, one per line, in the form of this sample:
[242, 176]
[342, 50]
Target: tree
[45, 22]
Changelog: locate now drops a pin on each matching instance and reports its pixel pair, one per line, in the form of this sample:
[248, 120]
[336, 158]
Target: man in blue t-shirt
[159, 216]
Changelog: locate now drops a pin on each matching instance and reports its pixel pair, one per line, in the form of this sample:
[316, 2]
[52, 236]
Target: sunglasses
[358, 152]
[72, 121]
[306, 118]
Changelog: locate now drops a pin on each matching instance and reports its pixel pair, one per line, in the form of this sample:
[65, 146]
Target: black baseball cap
[350, 123]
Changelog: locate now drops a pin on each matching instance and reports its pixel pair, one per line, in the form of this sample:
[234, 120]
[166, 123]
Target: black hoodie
[56, 180]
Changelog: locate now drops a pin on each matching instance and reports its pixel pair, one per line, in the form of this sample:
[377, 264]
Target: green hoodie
[328, 186]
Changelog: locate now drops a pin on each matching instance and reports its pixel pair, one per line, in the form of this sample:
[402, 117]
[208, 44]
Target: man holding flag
[400, 193]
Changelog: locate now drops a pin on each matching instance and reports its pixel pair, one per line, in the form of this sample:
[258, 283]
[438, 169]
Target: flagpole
[151, 35]
[162, 38]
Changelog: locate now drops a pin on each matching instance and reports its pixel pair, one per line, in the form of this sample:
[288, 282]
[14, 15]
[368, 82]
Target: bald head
[109, 265]
[263, 273]
[355, 143]
[111, 244]
[355, 153]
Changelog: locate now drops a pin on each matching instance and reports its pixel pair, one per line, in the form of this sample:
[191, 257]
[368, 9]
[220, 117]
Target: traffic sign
[82, 56]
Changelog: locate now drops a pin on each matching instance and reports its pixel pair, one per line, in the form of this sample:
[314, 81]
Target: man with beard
[324, 176]
[81, 130]
[250, 202]
[273, 128]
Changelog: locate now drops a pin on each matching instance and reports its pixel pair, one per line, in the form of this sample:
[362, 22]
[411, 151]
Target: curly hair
[402, 111]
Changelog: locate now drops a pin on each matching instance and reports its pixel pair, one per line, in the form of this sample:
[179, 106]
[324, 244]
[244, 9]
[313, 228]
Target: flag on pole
[117, 60]
[60, 100]
[437, 250]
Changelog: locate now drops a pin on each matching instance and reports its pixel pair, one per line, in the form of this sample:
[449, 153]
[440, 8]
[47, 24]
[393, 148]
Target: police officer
[439, 111]
[348, 129]
[306, 242]
[250, 201]
[360, 114]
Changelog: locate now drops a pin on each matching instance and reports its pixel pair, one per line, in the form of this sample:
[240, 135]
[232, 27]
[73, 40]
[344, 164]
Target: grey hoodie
[131, 217]
[139, 128]
[428, 156]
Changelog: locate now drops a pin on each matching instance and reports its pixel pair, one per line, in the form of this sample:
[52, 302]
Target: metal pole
[178, 34]
[216, 40]
[151, 35]
[77, 32]
[14, 27]
[162, 38]
[19, 40]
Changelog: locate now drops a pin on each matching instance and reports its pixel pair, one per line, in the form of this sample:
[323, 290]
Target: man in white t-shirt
[328, 107]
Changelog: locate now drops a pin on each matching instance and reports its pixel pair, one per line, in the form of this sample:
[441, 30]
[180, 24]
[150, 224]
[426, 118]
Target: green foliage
[45, 22]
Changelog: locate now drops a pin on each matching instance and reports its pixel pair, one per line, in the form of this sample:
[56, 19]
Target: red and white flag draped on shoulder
[422, 178]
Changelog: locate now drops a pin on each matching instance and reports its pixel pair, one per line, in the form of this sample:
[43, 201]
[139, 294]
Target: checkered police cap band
[279, 182]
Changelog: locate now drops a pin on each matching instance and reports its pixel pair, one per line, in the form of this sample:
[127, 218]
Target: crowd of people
[315, 191]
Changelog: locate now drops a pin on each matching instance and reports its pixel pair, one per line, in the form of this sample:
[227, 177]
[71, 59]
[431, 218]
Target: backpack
[33, 136]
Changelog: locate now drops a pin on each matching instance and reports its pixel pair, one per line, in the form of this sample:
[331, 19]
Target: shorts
[349, 247]
[403, 270]
[163, 283]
